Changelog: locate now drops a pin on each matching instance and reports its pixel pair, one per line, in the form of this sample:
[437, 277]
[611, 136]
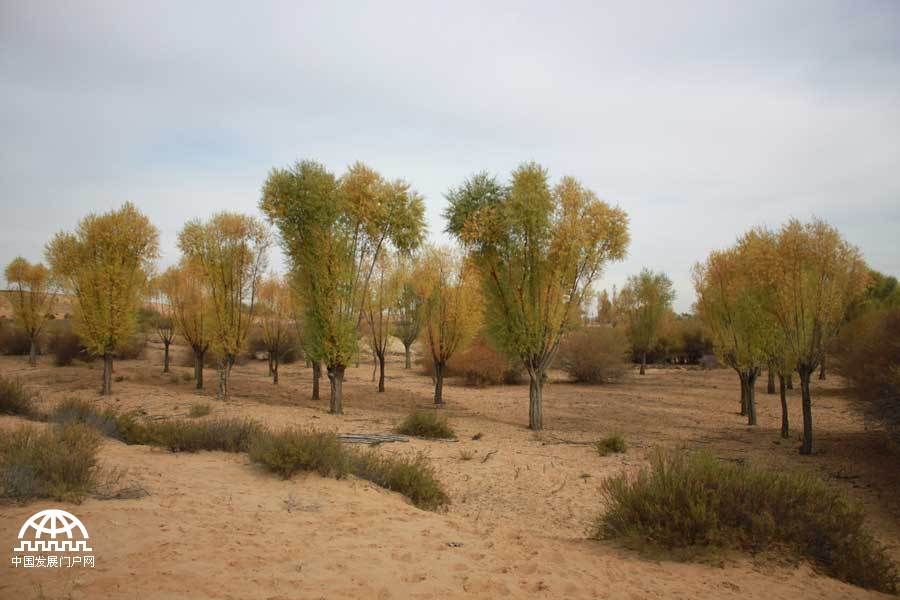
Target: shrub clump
[479, 365]
[57, 462]
[227, 435]
[199, 410]
[14, 341]
[692, 501]
[294, 450]
[15, 399]
[65, 346]
[611, 444]
[412, 476]
[427, 424]
[595, 355]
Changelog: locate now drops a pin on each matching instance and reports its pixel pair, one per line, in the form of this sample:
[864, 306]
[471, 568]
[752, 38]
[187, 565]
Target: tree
[163, 316]
[105, 264]
[334, 231]
[186, 293]
[645, 300]
[408, 308]
[730, 307]
[31, 295]
[538, 250]
[230, 251]
[379, 310]
[451, 306]
[313, 359]
[810, 276]
[276, 309]
[604, 308]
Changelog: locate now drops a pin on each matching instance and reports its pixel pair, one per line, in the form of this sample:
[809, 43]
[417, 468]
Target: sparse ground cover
[522, 505]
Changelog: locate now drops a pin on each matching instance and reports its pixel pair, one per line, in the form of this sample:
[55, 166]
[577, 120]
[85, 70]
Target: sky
[700, 119]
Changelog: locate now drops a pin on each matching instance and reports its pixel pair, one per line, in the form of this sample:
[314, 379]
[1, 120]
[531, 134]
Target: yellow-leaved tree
[276, 311]
[538, 249]
[105, 263]
[379, 309]
[230, 252]
[31, 295]
[183, 287]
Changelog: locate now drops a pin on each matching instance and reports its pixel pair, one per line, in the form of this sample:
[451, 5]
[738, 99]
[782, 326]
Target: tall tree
[106, 263]
[31, 295]
[379, 308]
[645, 301]
[231, 251]
[408, 308]
[452, 308]
[810, 276]
[310, 350]
[275, 312]
[163, 316]
[604, 308]
[334, 230]
[538, 250]
[184, 289]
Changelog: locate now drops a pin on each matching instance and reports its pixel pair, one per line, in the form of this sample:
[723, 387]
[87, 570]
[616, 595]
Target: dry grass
[426, 424]
[15, 399]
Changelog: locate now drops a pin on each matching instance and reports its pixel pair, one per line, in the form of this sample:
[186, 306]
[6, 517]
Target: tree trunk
[790, 381]
[535, 398]
[275, 370]
[32, 353]
[198, 367]
[743, 379]
[407, 348]
[106, 390]
[374, 366]
[381, 372]
[271, 372]
[822, 370]
[782, 387]
[770, 386]
[166, 356]
[751, 396]
[807, 447]
[438, 383]
[336, 376]
[317, 375]
[643, 363]
[224, 377]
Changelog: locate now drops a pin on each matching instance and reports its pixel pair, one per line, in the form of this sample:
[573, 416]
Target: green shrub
[227, 435]
[426, 424]
[692, 501]
[15, 399]
[412, 476]
[293, 450]
[611, 444]
[57, 462]
[199, 410]
[595, 354]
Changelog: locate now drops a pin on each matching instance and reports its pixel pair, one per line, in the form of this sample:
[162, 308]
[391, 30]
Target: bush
[13, 340]
[199, 410]
[294, 450]
[611, 444]
[479, 365]
[426, 424]
[867, 353]
[412, 476]
[694, 501]
[65, 345]
[595, 354]
[58, 462]
[132, 349]
[227, 435]
[84, 412]
[15, 399]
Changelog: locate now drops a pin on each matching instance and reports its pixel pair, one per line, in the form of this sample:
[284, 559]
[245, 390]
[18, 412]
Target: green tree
[230, 251]
[538, 250]
[645, 301]
[31, 295]
[187, 295]
[408, 309]
[334, 231]
[105, 264]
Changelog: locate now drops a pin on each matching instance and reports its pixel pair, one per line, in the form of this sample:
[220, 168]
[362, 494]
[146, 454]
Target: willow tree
[230, 251]
[378, 310]
[163, 316]
[408, 309]
[538, 249]
[810, 277]
[105, 263]
[730, 308]
[451, 308]
[276, 311]
[333, 231]
[187, 295]
[644, 301]
[31, 295]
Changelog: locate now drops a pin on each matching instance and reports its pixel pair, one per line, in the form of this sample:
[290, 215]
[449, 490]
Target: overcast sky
[700, 119]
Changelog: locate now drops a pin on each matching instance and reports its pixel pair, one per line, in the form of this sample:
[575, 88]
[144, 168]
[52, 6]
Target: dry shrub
[426, 424]
[13, 340]
[57, 462]
[227, 435]
[695, 502]
[595, 354]
[132, 349]
[15, 399]
[867, 353]
[611, 444]
[65, 346]
[294, 450]
[479, 365]
[199, 410]
[413, 476]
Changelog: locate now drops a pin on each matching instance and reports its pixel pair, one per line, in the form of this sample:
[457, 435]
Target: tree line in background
[517, 290]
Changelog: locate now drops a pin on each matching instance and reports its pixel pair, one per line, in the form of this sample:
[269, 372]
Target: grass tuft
[413, 476]
[426, 424]
[611, 444]
[227, 435]
[199, 410]
[15, 399]
[294, 449]
[693, 501]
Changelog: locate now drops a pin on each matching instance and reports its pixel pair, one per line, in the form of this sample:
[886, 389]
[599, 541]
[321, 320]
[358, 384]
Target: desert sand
[215, 526]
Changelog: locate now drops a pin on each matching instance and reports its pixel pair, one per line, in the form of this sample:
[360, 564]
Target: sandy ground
[215, 526]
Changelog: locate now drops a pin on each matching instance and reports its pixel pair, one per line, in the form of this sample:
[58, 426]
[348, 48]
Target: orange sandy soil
[215, 526]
